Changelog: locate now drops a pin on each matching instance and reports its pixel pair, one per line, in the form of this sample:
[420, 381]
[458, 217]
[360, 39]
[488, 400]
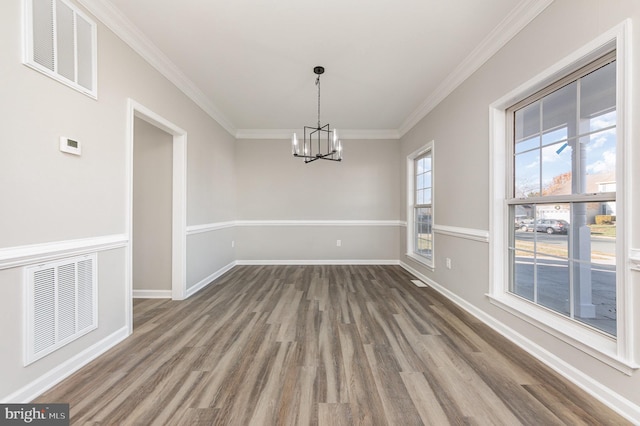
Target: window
[559, 213]
[563, 245]
[60, 42]
[420, 205]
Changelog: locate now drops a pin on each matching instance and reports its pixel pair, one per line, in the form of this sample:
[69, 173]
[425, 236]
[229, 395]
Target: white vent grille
[61, 301]
[43, 35]
[60, 41]
[65, 43]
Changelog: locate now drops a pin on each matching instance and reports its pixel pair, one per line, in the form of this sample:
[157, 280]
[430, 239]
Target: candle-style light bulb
[339, 149]
[334, 142]
[294, 144]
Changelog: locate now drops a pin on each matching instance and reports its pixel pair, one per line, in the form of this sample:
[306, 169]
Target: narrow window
[420, 206]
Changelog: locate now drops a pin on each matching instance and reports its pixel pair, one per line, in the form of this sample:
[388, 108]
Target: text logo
[34, 414]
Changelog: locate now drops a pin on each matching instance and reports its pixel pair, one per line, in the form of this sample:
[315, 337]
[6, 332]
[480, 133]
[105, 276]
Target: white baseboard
[48, 380]
[206, 281]
[613, 400]
[152, 294]
[320, 262]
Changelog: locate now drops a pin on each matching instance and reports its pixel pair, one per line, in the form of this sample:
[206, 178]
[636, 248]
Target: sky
[599, 143]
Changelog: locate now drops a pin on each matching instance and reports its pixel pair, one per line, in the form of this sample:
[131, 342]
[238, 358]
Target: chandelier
[320, 142]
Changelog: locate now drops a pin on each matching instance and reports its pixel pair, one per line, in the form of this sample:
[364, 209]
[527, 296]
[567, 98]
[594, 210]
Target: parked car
[524, 223]
[552, 226]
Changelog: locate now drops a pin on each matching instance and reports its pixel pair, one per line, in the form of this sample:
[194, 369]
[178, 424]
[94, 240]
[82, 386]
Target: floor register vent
[61, 304]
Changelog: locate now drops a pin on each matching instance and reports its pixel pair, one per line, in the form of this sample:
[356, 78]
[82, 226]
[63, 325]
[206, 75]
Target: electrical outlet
[448, 263]
[233, 244]
[338, 243]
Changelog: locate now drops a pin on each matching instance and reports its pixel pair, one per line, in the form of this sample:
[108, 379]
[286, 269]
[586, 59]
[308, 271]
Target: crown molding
[344, 134]
[117, 22]
[511, 25]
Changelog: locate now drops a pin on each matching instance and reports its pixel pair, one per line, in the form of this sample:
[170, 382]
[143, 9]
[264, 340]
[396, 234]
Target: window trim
[616, 352]
[28, 56]
[410, 252]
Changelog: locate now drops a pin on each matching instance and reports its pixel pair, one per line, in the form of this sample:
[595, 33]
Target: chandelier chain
[318, 84]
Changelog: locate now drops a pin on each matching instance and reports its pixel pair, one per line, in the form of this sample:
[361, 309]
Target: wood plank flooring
[318, 345]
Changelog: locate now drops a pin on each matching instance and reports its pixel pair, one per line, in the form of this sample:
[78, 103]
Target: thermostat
[70, 146]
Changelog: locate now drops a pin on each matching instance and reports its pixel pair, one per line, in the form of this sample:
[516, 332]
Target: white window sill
[421, 259]
[590, 341]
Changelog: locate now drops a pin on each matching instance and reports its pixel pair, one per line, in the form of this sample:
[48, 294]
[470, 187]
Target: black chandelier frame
[315, 137]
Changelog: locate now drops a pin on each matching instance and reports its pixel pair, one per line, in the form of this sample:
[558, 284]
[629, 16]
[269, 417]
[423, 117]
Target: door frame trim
[179, 207]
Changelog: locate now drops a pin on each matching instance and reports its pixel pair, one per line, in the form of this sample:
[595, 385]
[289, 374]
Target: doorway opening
[152, 123]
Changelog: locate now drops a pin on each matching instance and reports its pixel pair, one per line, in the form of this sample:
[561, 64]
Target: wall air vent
[61, 304]
[60, 41]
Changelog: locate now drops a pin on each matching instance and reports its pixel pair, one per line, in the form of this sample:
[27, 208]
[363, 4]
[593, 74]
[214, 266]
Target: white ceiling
[249, 63]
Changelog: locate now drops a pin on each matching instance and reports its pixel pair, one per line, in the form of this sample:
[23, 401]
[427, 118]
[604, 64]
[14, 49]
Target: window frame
[411, 251]
[618, 351]
[513, 200]
[28, 49]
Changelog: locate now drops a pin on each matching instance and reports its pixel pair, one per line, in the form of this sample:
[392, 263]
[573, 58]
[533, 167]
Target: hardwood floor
[328, 345]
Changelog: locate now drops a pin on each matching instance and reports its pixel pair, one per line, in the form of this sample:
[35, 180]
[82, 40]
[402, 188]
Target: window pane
[552, 220]
[594, 271]
[598, 91]
[600, 155]
[599, 307]
[527, 122]
[601, 223]
[523, 278]
[559, 108]
[603, 121]
[555, 135]
[556, 169]
[427, 162]
[423, 232]
[522, 252]
[552, 279]
[427, 196]
[527, 144]
[423, 164]
[527, 174]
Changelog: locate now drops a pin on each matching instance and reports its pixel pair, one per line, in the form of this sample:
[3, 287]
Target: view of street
[550, 267]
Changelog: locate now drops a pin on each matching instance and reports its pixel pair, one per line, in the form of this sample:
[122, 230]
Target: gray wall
[274, 186]
[152, 207]
[460, 127]
[49, 196]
